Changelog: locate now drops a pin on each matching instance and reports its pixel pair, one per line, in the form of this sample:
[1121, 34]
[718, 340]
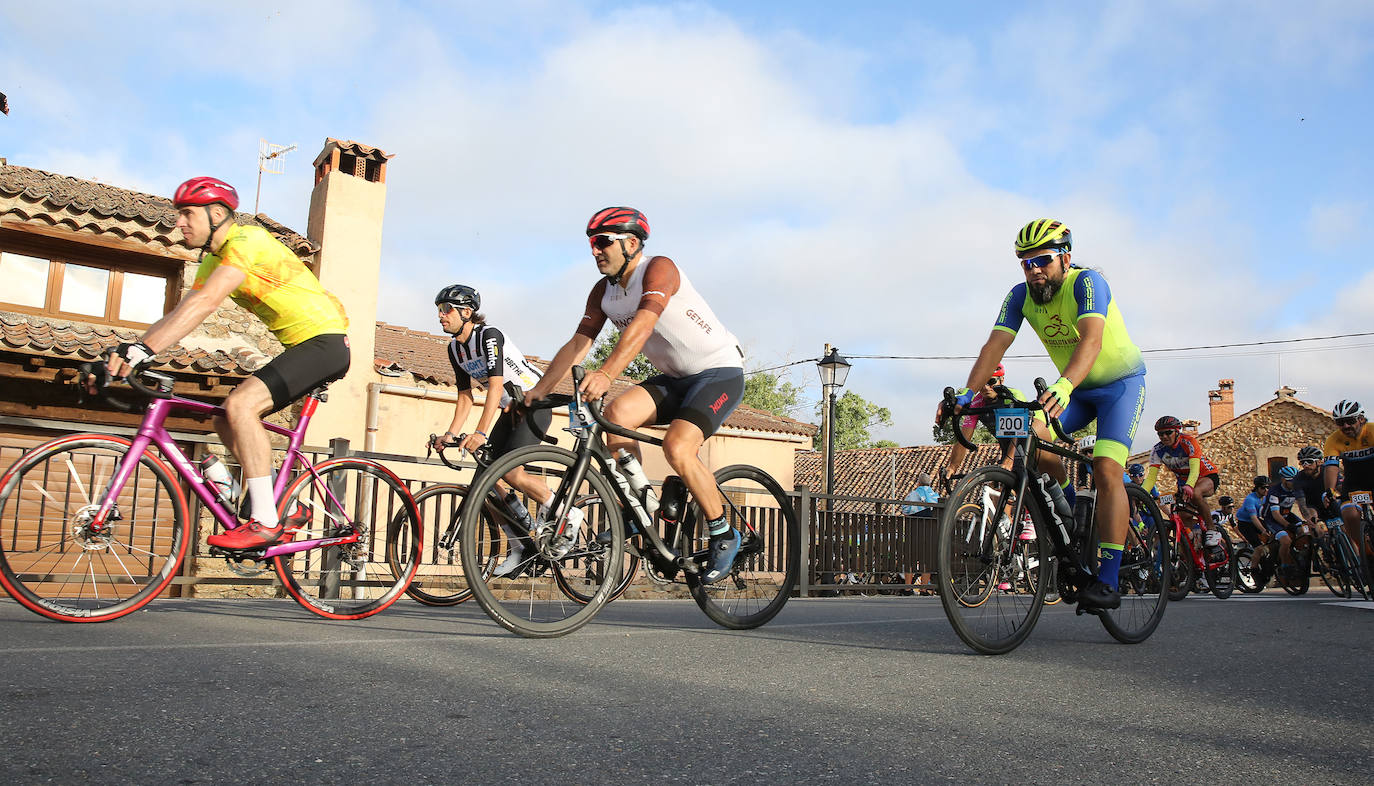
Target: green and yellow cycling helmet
[1044, 233]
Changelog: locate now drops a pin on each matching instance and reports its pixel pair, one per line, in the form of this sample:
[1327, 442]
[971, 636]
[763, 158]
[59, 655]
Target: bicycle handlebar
[98, 371]
[1004, 395]
[595, 407]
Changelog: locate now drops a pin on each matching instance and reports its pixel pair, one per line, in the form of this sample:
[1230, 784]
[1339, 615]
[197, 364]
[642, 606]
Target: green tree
[770, 393]
[854, 416]
[639, 369]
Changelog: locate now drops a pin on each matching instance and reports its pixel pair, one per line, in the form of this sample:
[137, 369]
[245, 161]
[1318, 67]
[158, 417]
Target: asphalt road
[863, 690]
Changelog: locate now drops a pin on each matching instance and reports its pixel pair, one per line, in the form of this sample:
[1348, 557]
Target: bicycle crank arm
[306, 545]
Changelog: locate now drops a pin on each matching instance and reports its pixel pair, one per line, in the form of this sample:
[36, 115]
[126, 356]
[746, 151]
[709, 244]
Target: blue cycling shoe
[721, 557]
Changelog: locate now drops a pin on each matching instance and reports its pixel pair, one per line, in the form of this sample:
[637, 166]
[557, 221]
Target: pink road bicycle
[94, 526]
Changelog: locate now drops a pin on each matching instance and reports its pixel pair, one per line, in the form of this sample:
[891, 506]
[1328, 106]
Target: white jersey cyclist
[687, 339]
[488, 353]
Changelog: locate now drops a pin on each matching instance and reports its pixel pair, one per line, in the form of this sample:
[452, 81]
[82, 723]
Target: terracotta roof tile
[355, 148]
[35, 196]
[882, 473]
[43, 336]
[425, 356]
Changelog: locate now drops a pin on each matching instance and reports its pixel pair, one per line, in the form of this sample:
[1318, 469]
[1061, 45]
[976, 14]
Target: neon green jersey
[1084, 295]
[277, 286]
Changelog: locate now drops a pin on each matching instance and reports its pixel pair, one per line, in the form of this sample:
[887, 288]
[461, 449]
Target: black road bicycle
[993, 584]
[568, 574]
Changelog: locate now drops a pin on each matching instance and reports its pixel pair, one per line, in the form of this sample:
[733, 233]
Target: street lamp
[834, 369]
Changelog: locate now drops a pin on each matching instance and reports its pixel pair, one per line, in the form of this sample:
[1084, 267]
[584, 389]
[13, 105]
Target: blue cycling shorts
[1117, 407]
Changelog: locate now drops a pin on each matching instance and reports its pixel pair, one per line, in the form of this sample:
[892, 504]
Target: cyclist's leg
[1117, 407]
[1354, 526]
[1203, 496]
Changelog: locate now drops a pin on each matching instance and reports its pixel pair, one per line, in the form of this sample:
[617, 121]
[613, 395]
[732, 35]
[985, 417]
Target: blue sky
[849, 174]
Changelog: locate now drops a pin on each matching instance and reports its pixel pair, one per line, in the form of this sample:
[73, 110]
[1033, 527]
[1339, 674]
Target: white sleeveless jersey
[687, 339]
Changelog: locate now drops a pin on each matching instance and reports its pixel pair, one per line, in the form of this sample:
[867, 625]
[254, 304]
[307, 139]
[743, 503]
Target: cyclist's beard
[1044, 293]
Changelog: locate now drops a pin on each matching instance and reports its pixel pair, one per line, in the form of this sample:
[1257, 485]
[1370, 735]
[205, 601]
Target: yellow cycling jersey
[277, 286]
[1357, 455]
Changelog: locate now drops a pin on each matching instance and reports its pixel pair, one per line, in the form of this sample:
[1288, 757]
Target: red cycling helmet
[206, 191]
[619, 219]
[1001, 371]
[1168, 423]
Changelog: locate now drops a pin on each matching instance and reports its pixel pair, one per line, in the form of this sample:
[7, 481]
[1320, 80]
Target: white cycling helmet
[1347, 409]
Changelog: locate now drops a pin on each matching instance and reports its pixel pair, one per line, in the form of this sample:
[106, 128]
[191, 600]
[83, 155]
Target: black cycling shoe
[1098, 595]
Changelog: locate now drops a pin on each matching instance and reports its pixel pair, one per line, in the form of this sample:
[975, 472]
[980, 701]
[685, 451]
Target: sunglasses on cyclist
[445, 308]
[1039, 261]
[994, 382]
[1308, 462]
[605, 239]
[1167, 432]
[1347, 421]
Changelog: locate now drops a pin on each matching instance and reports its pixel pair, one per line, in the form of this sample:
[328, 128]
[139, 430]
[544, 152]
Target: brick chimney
[1285, 393]
[1190, 426]
[1222, 402]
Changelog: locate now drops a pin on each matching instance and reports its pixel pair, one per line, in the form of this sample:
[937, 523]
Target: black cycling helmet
[1224, 501]
[460, 295]
[1261, 481]
[1310, 453]
[1168, 423]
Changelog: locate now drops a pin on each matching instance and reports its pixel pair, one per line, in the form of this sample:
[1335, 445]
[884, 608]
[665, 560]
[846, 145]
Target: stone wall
[1241, 448]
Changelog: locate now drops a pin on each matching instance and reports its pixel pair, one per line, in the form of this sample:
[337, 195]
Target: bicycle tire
[764, 575]
[1346, 560]
[1325, 566]
[1006, 619]
[440, 580]
[46, 501]
[1182, 568]
[350, 581]
[527, 602]
[1297, 582]
[628, 571]
[1140, 579]
[1222, 590]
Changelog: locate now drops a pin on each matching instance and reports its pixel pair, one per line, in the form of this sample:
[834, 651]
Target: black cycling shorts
[1250, 532]
[513, 431]
[704, 399]
[304, 367]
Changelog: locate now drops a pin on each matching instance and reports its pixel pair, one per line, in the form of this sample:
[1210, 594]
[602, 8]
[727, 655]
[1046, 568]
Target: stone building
[1258, 442]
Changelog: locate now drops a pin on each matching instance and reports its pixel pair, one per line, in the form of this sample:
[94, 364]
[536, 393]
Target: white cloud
[1337, 226]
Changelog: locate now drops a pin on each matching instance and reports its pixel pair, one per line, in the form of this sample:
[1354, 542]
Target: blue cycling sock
[718, 527]
[1069, 493]
[1109, 563]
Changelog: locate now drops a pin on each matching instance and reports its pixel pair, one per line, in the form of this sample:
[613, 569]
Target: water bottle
[639, 482]
[1083, 511]
[217, 475]
[1061, 505]
[674, 498]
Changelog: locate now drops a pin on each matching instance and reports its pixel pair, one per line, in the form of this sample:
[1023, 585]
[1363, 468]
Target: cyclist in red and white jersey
[660, 313]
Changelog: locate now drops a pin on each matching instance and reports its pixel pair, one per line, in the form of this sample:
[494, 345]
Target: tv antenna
[269, 161]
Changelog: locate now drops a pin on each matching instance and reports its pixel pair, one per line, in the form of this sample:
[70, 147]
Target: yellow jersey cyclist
[658, 311]
[482, 354]
[1352, 445]
[252, 268]
[1102, 374]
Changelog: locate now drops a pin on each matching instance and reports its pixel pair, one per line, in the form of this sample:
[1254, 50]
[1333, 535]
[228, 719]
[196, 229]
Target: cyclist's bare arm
[186, 316]
[575, 350]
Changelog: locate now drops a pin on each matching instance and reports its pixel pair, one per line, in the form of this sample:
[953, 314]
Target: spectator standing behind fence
[922, 493]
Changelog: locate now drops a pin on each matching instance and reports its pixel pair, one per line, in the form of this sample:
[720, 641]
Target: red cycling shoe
[251, 535]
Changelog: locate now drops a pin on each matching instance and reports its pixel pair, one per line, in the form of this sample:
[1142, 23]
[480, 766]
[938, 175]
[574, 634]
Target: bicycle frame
[152, 431]
[1197, 555]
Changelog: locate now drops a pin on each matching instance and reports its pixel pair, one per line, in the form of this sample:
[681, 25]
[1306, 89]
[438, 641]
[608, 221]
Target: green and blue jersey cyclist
[658, 311]
[1102, 374]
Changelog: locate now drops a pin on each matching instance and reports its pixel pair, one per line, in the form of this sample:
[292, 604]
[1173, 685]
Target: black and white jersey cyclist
[482, 354]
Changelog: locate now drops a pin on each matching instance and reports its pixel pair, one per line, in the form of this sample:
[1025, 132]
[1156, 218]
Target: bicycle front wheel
[1349, 564]
[349, 581]
[1221, 579]
[765, 572]
[58, 561]
[1328, 569]
[440, 580]
[532, 595]
[1182, 574]
[629, 568]
[1141, 578]
[977, 557]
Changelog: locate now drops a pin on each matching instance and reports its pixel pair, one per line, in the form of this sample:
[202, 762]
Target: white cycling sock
[264, 507]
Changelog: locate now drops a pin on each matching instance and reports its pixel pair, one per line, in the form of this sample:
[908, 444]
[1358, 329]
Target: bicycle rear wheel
[1245, 571]
[1141, 578]
[440, 580]
[349, 581]
[973, 555]
[535, 600]
[1296, 580]
[764, 575]
[1329, 570]
[54, 557]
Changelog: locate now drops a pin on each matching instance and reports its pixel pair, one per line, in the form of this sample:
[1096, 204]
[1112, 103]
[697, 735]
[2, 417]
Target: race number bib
[1012, 423]
[1166, 499]
[1359, 497]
